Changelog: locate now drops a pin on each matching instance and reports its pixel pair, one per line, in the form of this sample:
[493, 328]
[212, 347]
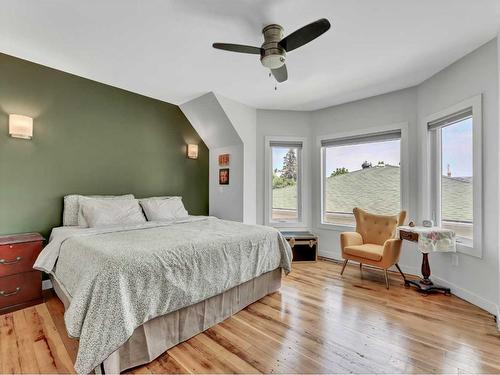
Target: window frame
[434, 144]
[302, 188]
[375, 130]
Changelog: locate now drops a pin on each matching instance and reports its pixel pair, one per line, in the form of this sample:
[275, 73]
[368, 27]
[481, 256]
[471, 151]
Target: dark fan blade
[237, 48]
[280, 74]
[304, 35]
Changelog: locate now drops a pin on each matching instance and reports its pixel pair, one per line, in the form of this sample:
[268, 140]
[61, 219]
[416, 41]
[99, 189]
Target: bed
[133, 291]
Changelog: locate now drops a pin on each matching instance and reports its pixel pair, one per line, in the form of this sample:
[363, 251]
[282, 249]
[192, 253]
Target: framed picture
[223, 160]
[224, 176]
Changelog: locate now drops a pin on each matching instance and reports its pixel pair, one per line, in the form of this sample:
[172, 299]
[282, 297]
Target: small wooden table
[425, 284]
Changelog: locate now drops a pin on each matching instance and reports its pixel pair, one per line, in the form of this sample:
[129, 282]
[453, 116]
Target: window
[456, 173]
[284, 182]
[361, 171]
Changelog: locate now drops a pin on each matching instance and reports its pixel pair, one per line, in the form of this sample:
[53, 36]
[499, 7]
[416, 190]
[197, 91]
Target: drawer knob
[8, 262]
[3, 293]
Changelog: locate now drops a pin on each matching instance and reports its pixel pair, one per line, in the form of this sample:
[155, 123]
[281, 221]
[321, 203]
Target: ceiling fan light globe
[273, 61]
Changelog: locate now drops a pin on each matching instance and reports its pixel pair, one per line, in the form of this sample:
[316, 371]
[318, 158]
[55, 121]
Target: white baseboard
[330, 254]
[469, 296]
[46, 284]
[498, 317]
[465, 294]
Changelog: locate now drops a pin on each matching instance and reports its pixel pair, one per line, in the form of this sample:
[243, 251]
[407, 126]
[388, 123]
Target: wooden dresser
[20, 284]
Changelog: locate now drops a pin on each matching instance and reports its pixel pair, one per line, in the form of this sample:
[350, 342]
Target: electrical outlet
[454, 260]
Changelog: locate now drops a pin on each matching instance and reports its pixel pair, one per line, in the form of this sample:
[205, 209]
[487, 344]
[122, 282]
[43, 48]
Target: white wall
[279, 123]
[474, 279]
[384, 110]
[229, 127]
[215, 128]
[210, 121]
[477, 73]
[244, 120]
[226, 201]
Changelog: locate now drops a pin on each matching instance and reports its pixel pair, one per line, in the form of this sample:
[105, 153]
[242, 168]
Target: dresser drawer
[409, 236]
[23, 287]
[19, 257]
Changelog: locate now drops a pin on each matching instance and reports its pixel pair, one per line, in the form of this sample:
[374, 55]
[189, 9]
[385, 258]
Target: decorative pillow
[105, 212]
[163, 208]
[72, 206]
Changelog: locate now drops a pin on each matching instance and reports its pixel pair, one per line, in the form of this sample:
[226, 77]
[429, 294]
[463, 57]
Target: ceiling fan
[274, 49]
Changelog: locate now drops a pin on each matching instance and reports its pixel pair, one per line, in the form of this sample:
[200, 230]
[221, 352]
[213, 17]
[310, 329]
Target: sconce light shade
[192, 151]
[20, 126]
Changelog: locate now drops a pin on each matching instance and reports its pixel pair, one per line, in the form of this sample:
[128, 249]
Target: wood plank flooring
[319, 322]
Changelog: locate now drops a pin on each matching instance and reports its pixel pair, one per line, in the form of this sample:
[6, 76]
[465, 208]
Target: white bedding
[123, 276]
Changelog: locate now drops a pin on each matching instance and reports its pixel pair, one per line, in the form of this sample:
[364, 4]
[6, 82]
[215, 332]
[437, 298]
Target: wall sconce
[20, 126]
[192, 151]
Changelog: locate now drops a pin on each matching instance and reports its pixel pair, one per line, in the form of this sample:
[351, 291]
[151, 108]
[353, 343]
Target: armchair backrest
[376, 229]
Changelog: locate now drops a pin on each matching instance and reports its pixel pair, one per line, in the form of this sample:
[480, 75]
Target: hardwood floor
[319, 322]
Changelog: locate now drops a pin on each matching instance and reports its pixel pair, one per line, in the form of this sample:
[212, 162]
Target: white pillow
[163, 208]
[81, 221]
[72, 206]
[105, 212]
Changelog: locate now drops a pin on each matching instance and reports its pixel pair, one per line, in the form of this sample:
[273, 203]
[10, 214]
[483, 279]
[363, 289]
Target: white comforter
[121, 277]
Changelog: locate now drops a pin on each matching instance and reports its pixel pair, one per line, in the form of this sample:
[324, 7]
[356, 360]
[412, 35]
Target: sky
[352, 156]
[457, 152]
[457, 148]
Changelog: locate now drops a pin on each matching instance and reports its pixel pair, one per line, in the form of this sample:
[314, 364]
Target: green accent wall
[89, 138]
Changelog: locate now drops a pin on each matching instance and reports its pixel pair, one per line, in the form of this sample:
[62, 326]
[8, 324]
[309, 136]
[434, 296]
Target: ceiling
[162, 48]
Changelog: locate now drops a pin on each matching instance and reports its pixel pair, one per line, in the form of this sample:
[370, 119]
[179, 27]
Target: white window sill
[287, 224]
[337, 227]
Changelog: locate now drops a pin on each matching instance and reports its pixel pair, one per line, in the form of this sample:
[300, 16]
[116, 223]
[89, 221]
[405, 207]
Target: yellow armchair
[374, 241]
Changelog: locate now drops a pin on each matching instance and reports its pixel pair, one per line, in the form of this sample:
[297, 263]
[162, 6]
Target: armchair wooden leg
[386, 279]
[401, 272]
[343, 267]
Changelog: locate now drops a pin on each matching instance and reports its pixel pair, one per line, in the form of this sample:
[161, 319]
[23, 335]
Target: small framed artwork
[224, 176]
[223, 160]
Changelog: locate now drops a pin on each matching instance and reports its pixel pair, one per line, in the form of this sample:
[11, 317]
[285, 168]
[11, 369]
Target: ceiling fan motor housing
[272, 55]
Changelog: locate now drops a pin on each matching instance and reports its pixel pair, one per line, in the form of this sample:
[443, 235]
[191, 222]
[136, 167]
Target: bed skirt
[156, 336]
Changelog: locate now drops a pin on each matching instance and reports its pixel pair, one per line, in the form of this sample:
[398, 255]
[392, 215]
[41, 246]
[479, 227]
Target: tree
[280, 182]
[289, 170]
[339, 171]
